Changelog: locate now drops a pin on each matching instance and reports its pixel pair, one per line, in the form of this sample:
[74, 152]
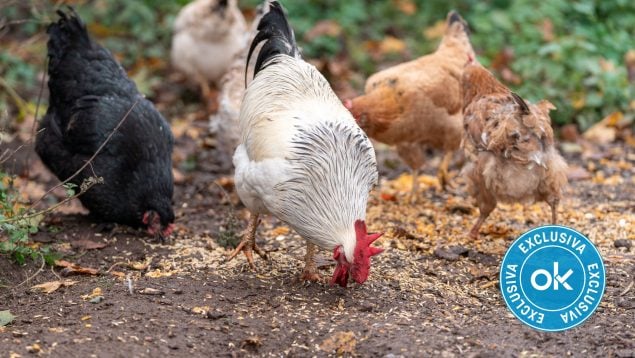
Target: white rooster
[302, 157]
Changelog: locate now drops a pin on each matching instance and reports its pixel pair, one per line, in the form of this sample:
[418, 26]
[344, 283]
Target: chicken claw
[310, 272]
[248, 244]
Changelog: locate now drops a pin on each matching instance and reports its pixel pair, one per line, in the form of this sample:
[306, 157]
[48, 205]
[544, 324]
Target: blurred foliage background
[578, 54]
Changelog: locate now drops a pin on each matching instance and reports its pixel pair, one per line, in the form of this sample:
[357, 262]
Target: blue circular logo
[552, 278]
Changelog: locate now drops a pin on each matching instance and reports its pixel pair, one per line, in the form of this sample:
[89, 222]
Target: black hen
[89, 95]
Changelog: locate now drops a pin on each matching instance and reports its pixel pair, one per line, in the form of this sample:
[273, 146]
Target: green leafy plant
[569, 52]
[18, 220]
[17, 225]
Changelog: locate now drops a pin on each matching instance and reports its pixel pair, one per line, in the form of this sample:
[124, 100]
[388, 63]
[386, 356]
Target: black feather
[524, 109]
[278, 35]
[89, 94]
[69, 31]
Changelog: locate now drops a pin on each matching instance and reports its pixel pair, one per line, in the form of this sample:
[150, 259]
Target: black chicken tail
[278, 35]
[69, 31]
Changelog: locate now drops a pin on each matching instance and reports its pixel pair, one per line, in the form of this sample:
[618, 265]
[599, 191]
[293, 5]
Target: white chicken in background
[302, 157]
[224, 123]
[207, 36]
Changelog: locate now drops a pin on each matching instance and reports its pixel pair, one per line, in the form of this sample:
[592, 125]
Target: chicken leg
[443, 169]
[310, 272]
[412, 154]
[208, 95]
[554, 211]
[486, 204]
[248, 243]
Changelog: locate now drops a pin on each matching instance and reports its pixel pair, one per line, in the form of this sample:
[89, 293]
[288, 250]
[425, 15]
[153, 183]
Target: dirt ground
[433, 292]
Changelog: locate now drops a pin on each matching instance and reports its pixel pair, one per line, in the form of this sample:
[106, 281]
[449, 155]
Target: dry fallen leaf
[71, 268]
[140, 266]
[52, 286]
[86, 244]
[340, 342]
[158, 273]
[200, 310]
[280, 230]
[35, 348]
[151, 291]
[95, 293]
[118, 274]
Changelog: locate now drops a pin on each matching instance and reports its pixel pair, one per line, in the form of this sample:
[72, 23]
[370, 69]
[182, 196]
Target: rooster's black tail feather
[278, 35]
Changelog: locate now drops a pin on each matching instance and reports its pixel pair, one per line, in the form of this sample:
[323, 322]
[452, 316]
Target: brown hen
[509, 146]
[417, 104]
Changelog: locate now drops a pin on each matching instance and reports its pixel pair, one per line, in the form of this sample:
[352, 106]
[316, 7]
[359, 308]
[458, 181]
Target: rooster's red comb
[364, 239]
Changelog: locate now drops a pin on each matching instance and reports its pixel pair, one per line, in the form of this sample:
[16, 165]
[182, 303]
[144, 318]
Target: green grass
[579, 65]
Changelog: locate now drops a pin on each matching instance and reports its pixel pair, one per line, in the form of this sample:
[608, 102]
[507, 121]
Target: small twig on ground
[115, 265]
[59, 278]
[89, 159]
[34, 275]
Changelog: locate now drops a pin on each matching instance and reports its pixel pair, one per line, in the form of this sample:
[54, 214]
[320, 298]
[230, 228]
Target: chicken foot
[310, 272]
[248, 243]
